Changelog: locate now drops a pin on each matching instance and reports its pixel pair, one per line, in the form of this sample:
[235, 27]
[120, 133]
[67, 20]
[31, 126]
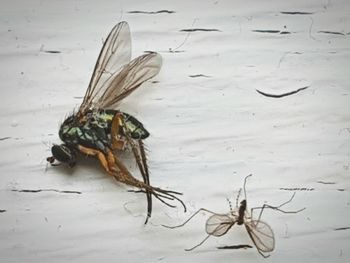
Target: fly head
[64, 154]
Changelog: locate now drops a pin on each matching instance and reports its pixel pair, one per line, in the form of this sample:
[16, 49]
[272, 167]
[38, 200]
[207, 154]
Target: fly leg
[107, 161]
[124, 176]
[141, 160]
[113, 166]
[119, 144]
[117, 123]
[117, 169]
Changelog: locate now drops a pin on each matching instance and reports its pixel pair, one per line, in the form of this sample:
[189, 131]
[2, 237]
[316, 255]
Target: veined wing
[218, 224]
[129, 79]
[261, 235]
[115, 53]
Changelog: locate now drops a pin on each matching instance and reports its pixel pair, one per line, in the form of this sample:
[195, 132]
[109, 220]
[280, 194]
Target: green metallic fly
[99, 129]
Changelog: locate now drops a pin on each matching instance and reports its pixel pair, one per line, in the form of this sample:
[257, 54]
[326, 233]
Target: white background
[207, 133]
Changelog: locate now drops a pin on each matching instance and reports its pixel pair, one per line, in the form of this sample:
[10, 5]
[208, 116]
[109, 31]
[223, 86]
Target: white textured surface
[207, 134]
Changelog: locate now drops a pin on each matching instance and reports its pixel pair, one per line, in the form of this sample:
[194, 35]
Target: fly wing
[261, 235]
[129, 79]
[218, 224]
[115, 53]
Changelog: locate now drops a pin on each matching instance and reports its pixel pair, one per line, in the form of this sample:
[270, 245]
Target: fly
[99, 129]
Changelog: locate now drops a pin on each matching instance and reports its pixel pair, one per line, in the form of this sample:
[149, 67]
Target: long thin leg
[140, 158]
[192, 216]
[245, 182]
[278, 208]
[117, 124]
[146, 176]
[200, 243]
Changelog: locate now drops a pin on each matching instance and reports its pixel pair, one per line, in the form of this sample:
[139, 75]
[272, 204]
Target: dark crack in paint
[266, 31]
[342, 228]
[298, 189]
[331, 32]
[152, 12]
[200, 30]
[281, 95]
[45, 190]
[199, 76]
[235, 247]
[296, 13]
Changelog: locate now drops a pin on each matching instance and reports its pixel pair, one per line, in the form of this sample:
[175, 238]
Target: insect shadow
[259, 232]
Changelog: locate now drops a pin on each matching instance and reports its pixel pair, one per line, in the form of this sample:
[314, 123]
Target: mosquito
[259, 232]
[100, 129]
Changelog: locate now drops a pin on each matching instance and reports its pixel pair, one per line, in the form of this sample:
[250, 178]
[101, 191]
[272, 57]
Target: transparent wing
[115, 53]
[129, 79]
[261, 235]
[218, 224]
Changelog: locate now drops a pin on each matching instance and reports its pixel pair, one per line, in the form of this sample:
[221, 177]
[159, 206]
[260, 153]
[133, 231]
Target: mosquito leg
[192, 216]
[278, 208]
[263, 255]
[245, 182]
[205, 239]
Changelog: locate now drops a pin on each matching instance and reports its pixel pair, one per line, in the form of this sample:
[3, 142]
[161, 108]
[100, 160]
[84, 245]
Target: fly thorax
[102, 119]
[133, 127]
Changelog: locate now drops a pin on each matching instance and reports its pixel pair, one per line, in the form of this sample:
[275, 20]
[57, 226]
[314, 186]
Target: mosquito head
[243, 204]
[63, 154]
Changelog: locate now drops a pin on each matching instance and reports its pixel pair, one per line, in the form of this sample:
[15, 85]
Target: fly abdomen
[134, 127]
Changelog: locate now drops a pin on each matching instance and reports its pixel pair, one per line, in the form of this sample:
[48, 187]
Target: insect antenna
[230, 205]
[238, 195]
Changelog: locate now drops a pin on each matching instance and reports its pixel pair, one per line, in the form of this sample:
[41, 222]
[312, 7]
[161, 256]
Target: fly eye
[64, 154]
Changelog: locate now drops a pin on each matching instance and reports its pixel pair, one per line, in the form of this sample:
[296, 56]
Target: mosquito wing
[261, 235]
[218, 224]
[115, 53]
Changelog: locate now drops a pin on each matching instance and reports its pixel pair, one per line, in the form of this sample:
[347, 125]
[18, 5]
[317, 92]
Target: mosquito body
[259, 232]
[100, 129]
